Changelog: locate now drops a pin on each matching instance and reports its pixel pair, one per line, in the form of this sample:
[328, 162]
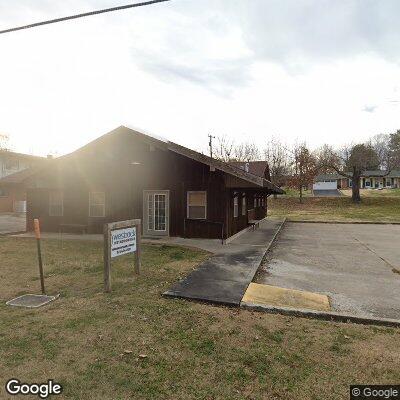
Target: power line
[87, 14]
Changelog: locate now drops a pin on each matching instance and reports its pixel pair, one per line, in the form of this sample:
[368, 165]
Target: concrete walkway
[10, 223]
[224, 277]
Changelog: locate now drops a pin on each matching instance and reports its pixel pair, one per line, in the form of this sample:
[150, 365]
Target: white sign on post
[122, 237]
[123, 241]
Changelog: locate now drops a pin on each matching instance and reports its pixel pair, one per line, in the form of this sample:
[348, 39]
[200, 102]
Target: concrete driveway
[357, 266]
[10, 223]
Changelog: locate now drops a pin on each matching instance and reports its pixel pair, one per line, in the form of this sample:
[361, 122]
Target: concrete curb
[271, 242]
[344, 222]
[278, 231]
[240, 233]
[321, 315]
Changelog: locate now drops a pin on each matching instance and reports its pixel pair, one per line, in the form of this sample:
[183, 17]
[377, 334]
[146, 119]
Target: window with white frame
[235, 205]
[244, 204]
[56, 204]
[3, 192]
[197, 205]
[11, 164]
[97, 204]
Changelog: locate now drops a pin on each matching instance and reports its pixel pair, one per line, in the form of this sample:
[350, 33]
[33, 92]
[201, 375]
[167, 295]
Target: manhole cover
[31, 300]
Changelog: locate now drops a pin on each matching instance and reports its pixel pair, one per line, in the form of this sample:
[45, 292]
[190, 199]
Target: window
[3, 192]
[10, 164]
[197, 205]
[56, 206]
[97, 204]
[235, 206]
[255, 202]
[244, 204]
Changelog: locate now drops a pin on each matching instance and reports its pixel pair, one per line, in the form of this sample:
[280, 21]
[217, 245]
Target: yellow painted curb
[277, 296]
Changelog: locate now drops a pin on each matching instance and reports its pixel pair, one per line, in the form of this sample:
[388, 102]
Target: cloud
[370, 109]
[208, 43]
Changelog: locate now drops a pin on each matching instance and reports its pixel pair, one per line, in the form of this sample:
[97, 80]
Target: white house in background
[369, 180]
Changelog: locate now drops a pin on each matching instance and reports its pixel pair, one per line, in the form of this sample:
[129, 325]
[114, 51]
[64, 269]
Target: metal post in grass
[37, 235]
[122, 237]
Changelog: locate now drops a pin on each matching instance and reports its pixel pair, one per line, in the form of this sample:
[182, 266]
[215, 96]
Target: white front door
[156, 212]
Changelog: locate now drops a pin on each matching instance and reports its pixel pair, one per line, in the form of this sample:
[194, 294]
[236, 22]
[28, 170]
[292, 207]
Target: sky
[322, 71]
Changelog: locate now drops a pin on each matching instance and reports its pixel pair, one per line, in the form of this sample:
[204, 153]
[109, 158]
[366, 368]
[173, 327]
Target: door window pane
[150, 212]
[160, 212]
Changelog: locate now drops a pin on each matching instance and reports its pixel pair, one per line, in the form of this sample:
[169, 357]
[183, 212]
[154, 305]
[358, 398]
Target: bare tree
[224, 148]
[380, 143]
[246, 152]
[4, 141]
[394, 150]
[277, 157]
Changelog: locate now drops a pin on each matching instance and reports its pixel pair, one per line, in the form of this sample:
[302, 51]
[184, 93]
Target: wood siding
[122, 167]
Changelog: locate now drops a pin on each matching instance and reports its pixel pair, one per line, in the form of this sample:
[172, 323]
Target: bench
[255, 223]
[80, 227]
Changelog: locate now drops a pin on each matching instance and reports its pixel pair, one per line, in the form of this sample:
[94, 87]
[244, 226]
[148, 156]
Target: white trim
[145, 211]
[90, 205]
[235, 206]
[187, 203]
[244, 204]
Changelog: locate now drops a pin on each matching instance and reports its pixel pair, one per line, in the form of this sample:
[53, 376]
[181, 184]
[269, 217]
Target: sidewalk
[224, 277]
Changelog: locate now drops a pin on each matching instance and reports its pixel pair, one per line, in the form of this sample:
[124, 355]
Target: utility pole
[210, 138]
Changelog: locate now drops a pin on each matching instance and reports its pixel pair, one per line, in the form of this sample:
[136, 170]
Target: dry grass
[374, 192]
[384, 209]
[194, 351]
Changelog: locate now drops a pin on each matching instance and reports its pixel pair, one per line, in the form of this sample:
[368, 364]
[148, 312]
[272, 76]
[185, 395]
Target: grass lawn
[91, 342]
[290, 192]
[376, 209]
[374, 192]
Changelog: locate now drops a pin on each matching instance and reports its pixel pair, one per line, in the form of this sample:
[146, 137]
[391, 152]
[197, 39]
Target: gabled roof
[20, 155]
[394, 174]
[327, 177]
[21, 176]
[164, 145]
[257, 168]
[365, 174]
[212, 162]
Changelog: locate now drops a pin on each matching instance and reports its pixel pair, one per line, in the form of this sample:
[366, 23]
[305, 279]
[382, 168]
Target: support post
[138, 248]
[107, 259]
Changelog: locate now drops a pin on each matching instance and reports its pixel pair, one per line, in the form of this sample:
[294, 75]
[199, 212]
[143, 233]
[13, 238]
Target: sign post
[121, 238]
[37, 235]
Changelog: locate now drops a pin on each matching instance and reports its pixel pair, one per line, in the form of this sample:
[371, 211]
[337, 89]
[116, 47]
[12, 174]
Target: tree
[4, 141]
[224, 148]
[380, 143]
[246, 152]
[277, 157]
[394, 150]
[304, 165]
[350, 161]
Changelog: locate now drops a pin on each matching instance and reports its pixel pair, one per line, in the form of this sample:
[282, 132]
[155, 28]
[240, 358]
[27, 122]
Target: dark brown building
[127, 174]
